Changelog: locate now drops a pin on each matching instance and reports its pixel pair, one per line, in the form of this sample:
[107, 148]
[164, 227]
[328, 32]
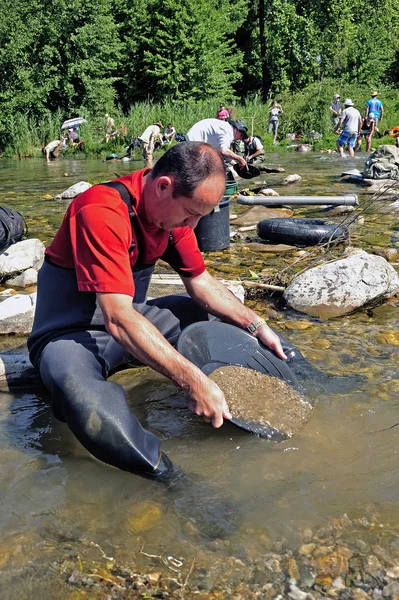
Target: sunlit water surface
[344, 460]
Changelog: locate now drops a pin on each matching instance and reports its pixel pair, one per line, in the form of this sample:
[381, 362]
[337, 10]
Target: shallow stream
[58, 503]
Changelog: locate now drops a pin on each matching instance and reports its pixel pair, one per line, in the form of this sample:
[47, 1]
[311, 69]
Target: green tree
[185, 50]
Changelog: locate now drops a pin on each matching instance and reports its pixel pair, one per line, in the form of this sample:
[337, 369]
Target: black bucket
[213, 230]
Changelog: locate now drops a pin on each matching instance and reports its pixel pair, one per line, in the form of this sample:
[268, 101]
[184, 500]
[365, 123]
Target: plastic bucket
[231, 187]
[213, 230]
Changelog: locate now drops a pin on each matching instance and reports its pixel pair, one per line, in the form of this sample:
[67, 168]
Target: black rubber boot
[212, 515]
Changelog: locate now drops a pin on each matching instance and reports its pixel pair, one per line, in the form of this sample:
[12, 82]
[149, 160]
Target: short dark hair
[189, 163]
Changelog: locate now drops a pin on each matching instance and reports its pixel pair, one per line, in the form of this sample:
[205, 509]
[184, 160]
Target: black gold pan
[246, 172]
[213, 344]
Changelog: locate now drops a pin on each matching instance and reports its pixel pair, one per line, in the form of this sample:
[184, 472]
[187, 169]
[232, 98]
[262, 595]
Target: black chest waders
[74, 354]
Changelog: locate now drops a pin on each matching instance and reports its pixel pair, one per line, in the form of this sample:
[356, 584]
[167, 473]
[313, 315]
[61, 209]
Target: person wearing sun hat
[335, 109]
[375, 106]
[351, 121]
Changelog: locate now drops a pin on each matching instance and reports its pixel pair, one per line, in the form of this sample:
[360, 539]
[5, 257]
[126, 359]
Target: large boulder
[343, 286]
[28, 254]
[17, 313]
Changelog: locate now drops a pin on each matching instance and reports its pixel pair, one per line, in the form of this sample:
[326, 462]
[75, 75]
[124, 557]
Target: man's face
[238, 135]
[169, 212]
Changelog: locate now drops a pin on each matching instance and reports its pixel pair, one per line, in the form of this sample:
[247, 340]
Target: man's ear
[164, 182]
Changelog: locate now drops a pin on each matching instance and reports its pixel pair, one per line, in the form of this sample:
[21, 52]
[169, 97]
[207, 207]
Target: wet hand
[271, 340]
[242, 162]
[208, 402]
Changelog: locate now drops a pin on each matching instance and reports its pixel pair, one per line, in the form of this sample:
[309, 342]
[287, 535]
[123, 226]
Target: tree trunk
[266, 83]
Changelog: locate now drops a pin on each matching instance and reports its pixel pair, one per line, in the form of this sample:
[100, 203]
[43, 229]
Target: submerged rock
[268, 192]
[338, 210]
[258, 213]
[343, 286]
[390, 254]
[264, 169]
[291, 179]
[274, 249]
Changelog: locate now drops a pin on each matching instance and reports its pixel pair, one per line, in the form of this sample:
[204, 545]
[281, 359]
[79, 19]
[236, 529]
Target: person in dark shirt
[367, 129]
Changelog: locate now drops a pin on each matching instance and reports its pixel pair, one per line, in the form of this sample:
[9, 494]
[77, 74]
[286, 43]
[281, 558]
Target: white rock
[235, 288]
[339, 583]
[343, 286]
[73, 191]
[296, 593]
[291, 179]
[27, 278]
[21, 256]
[16, 314]
[268, 192]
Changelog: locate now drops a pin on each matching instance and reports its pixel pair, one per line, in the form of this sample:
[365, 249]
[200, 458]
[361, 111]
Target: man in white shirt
[351, 120]
[220, 135]
[53, 149]
[149, 137]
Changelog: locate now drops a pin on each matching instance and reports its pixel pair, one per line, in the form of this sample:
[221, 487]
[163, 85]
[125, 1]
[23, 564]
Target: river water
[54, 496]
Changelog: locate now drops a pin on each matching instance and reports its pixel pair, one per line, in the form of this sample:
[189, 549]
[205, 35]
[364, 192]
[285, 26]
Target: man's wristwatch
[255, 325]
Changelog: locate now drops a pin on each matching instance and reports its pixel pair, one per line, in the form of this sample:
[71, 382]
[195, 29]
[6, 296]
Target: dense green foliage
[84, 57]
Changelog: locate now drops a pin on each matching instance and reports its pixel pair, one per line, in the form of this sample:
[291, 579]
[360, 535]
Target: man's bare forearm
[230, 155]
[216, 299]
[143, 340]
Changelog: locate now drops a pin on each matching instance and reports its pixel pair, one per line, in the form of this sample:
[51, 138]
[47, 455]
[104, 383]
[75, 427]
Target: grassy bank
[304, 112]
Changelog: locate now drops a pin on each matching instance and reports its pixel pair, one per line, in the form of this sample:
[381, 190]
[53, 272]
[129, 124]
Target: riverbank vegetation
[141, 60]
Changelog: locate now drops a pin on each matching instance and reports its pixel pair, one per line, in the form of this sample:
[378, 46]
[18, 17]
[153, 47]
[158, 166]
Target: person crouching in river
[102, 257]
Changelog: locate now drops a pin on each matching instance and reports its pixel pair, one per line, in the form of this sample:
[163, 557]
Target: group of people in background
[222, 132]
[354, 126]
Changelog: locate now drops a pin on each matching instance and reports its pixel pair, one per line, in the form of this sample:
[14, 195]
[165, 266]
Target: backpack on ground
[383, 163]
[12, 227]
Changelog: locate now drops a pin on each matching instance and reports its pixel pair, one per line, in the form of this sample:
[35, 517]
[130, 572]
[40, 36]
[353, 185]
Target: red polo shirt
[96, 235]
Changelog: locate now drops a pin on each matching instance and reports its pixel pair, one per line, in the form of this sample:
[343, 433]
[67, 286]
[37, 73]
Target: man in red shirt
[92, 314]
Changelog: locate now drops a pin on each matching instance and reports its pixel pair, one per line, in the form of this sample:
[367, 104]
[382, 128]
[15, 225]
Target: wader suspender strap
[127, 199]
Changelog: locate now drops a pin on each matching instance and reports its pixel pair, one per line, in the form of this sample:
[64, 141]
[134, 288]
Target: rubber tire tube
[300, 232]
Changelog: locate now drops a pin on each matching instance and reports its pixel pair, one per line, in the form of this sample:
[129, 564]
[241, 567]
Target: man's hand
[241, 161]
[208, 401]
[271, 340]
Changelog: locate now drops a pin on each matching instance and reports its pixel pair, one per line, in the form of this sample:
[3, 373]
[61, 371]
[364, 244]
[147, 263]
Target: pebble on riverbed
[345, 559]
